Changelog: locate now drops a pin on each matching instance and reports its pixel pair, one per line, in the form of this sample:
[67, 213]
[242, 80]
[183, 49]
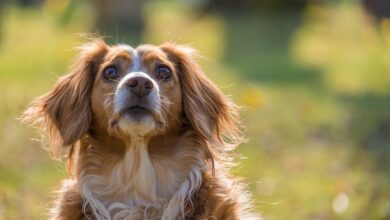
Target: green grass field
[315, 87]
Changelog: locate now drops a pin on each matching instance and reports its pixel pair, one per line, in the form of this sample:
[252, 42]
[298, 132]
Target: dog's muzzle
[137, 95]
[137, 106]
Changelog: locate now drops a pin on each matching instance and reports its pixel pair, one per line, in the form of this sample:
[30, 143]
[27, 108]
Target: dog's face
[123, 92]
[136, 92]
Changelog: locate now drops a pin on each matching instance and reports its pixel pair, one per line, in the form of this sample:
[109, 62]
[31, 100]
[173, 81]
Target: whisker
[165, 100]
[115, 80]
[107, 94]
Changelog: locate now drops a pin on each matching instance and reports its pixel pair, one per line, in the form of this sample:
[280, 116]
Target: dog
[146, 135]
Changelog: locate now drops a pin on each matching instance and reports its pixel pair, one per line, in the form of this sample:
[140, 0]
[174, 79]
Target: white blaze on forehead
[135, 59]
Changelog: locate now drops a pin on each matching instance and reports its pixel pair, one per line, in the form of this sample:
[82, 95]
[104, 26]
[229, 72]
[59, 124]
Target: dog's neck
[139, 178]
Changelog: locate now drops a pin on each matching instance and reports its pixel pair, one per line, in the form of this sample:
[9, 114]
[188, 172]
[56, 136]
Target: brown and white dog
[148, 136]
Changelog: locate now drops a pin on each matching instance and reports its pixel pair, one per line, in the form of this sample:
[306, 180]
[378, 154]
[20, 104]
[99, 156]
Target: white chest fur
[141, 187]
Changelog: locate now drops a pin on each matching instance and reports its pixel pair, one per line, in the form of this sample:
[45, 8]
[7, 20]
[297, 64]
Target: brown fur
[199, 129]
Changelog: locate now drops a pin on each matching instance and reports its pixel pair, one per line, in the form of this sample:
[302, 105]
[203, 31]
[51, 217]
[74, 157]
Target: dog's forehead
[141, 50]
[135, 56]
[142, 55]
[127, 48]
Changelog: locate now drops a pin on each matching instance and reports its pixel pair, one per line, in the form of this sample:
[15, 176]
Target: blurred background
[314, 77]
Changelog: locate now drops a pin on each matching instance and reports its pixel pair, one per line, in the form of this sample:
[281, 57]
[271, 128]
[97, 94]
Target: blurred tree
[30, 3]
[272, 5]
[120, 18]
[378, 8]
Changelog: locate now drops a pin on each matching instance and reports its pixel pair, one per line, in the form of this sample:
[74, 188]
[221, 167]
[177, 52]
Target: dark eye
[163, 72]
[111, 73]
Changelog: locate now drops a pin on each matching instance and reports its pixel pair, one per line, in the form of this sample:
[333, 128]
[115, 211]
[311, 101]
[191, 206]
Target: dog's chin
[137, 121]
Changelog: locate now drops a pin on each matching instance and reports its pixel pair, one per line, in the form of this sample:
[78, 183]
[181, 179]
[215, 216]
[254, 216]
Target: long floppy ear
[211, 114]
[64, 113]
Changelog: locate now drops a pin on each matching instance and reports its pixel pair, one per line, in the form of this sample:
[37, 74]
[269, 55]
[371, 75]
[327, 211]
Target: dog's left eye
[111, 73]
[163, 72]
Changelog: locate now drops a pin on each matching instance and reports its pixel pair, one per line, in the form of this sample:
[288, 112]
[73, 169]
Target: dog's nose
[140, 86]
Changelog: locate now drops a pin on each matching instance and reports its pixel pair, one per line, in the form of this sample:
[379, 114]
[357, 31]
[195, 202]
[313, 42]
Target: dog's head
[124, 92]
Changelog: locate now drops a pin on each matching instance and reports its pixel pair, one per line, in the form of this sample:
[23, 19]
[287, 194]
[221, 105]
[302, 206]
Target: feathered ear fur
[64, 113]
[211, 114]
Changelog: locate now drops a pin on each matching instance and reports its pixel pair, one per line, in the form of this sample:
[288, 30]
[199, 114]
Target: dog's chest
[135, 186]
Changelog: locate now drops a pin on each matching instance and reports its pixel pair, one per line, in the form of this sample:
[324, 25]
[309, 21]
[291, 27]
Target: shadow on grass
[370, 126]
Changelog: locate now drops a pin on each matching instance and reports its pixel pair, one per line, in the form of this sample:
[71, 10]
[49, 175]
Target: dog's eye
[163, 72]
[111, 73]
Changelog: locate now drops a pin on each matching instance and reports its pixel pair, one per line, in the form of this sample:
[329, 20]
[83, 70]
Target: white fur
[175, 206]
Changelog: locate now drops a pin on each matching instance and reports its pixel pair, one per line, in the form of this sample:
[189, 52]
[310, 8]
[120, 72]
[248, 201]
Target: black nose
[140, 86]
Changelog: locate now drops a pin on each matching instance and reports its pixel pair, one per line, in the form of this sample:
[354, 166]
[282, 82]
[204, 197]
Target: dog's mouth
[137, 111]
[134, 112]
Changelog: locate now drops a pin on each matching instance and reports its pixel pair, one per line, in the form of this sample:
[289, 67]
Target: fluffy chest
[141, 185]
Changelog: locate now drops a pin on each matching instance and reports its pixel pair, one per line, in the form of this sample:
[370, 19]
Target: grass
[317, 150]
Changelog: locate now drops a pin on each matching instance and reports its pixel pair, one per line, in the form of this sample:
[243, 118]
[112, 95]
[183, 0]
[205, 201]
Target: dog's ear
[211, 114]
[64, 113]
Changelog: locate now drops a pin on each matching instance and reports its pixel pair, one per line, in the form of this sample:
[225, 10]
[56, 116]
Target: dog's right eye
[111, 73]
[163, 73]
